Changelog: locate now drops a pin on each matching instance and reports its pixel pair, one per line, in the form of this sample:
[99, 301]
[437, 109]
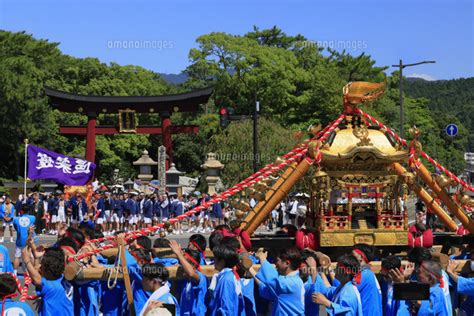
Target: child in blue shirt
[135, 260]
[198, 242]
[7, 214]
[155, 280]
[428, 272]
[225, 290]
[345, 298]
[313, 282]
[163, 243]
[22, 224]
[112, 301]
[247, 283]
[8, 288]
[283, 285]
[369, 288]
[5, 263]
[389, 305]
[48, 280]
[194, 291]
[463, 286]
[418, 256]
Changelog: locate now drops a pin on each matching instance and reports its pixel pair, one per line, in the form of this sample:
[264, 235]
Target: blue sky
[388, 30]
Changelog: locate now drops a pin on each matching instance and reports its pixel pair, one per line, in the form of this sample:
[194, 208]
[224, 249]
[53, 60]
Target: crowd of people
[291, 281]
[133, 210]
[110, 211]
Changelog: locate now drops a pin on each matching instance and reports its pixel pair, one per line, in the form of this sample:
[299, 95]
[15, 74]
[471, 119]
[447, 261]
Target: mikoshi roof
[347, 143]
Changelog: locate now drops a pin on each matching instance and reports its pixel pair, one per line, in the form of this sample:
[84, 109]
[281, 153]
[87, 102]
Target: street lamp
[401, 66]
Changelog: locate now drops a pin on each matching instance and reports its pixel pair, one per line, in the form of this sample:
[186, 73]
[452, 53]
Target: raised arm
[313, 268]
[451, 270]
[34, 273]
[188, 268]
[325, 279]
[262, 256]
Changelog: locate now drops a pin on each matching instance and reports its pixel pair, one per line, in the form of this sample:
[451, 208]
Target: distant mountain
[412, 79]
[174, 78]
[182, 77]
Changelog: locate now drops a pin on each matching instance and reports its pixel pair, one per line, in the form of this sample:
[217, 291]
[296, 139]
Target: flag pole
[26, 168]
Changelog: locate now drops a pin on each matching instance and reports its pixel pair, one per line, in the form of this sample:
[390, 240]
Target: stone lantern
[128, 184]
[145, 163]
[172, 180]
[213, 168]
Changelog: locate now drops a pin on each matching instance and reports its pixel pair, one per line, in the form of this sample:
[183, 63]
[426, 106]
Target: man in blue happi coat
[369, 288]
[428, 272]
[343, 299]
[283, 285]
[464, 286]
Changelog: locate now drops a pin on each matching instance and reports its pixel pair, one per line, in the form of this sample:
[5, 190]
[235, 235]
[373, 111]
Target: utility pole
[226, 116]
[400, 67]
[255, 136]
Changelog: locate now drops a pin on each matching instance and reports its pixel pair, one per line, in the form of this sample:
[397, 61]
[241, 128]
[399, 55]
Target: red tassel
[235, 273]
[357, 278]
[364, 257]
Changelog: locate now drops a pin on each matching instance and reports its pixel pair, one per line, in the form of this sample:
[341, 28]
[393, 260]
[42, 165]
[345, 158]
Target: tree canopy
[451, 100]
[296, 84]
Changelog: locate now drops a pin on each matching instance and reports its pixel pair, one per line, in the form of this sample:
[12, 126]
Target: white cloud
[422, 76]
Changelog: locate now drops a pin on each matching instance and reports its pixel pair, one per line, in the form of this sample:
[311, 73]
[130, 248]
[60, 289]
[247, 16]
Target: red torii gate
[126, 107]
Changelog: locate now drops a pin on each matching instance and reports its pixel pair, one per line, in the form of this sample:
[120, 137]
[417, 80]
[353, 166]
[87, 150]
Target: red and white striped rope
[463, 183]
[18, 283]
[413, 161]
[24, 293]
[23, 290]
[402, 141]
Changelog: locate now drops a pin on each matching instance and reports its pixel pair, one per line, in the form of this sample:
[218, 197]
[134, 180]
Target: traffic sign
[452, 130]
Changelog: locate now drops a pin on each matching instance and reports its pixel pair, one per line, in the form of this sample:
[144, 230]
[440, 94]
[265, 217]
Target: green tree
[27, 65]
[23, 109]
[234, 147]
[297, 84]
[359, 68]
[275, 37]
[244, 71]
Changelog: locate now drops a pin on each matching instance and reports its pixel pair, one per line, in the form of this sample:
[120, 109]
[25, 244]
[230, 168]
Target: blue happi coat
[345, 300]
[192, 297]
[226, 298]
[370, 293]
[311, 287]
[286, 292]
[465, 286]
[436, 305]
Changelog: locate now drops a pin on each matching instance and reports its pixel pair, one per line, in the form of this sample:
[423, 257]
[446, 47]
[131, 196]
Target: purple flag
[48, 165]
